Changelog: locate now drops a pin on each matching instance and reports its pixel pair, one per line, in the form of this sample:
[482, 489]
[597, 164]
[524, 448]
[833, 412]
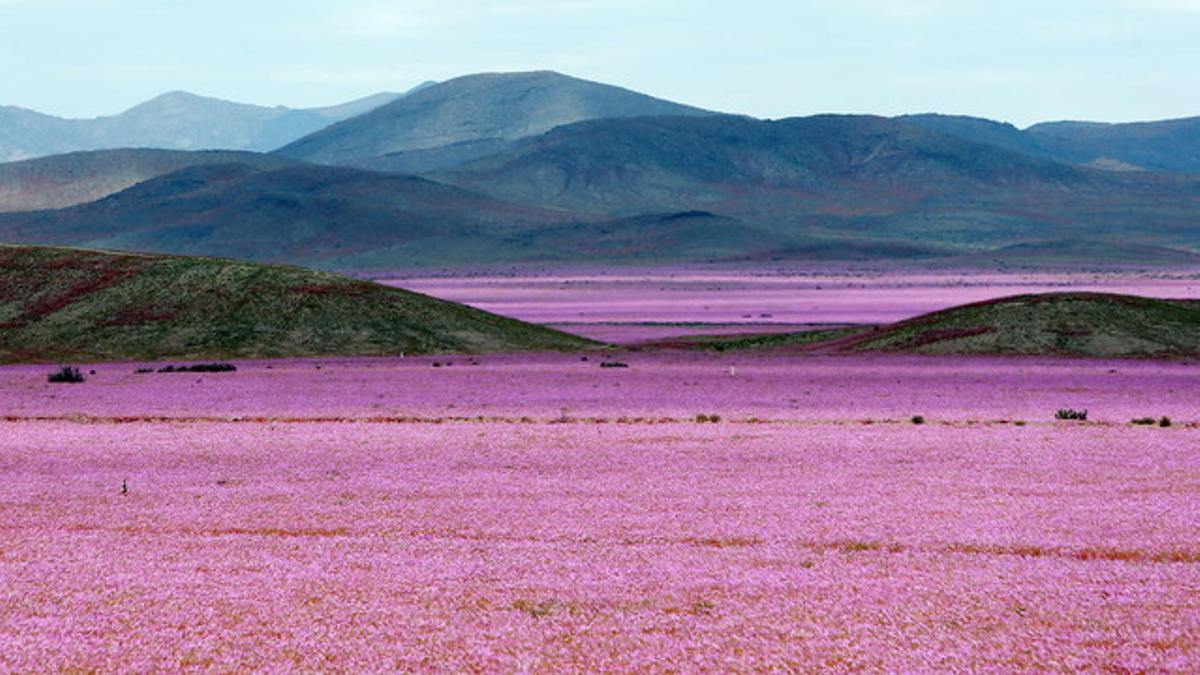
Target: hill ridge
[1066, 323]
[80, 305]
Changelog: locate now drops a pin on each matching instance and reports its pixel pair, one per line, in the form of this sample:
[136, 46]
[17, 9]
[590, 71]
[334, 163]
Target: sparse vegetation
[66, 374]
[200, 368]
[1144, 421]
[614, 364]
[1071, 414]
[1058, 324]
[711, 419]
[135, 307]
[721, 343]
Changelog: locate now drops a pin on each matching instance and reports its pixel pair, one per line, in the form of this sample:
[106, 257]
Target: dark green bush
[200, 368]
[68, 374]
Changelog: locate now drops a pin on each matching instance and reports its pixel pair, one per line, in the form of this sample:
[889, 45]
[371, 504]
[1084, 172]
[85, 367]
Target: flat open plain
[631, 306]
[540, 513]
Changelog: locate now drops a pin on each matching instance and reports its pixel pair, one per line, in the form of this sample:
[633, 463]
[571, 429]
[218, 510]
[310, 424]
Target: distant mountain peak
[172, 120]
[477, 108]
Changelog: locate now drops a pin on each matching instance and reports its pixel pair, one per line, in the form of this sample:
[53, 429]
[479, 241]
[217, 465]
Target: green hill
[1097, 325]
[1069, 324]
[79, 305]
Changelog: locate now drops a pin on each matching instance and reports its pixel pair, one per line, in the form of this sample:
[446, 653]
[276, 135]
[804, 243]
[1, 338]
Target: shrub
[200, 368]
[68, 374]
[1164, 422]
[918, 419]
[1070, 414]
[702, 418]
[1144, 421]
[613, 364]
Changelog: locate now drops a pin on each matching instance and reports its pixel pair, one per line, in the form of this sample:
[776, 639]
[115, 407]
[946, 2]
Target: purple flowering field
[590, 302]
[539, 513]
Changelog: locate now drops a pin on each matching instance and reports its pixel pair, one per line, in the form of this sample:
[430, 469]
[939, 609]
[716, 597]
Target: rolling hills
[70, 305]
[655, 189]
[75, 178]
[1166, 145]
[1077, 324]
[317, 216]
[836, 177]
[175, 121]
[346, 219]
[471, 116]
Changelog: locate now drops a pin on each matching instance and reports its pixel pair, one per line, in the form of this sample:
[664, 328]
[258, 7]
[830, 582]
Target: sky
[1018, 61]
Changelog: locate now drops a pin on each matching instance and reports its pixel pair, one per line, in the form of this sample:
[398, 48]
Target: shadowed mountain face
[660, 189]
[75, 305]
[79, 177]
[177, 121]
[472, 115]
[334, 217]
[303, 214]
[1169, 145]
[833, 176]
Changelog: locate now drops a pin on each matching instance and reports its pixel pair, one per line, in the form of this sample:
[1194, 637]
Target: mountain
[341, 218]
[473, 115]
[175, 120]
[1076, 253]
[830, 176]
[81, 306]
[1169, 145]
[26, 133]
[1098, 325]
[79, 177]
[318, 216]
[1000, 135]
[662, 190]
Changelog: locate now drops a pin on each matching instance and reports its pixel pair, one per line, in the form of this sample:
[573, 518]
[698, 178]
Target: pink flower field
[759, 297]
[539, 513]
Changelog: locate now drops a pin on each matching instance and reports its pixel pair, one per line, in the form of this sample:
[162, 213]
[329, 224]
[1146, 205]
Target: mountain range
[175, 120]
[1169, 145]
[542, 167]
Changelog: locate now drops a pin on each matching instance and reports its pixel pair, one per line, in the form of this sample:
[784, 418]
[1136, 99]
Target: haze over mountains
[75, 178]
[542, 167]
[176, 120]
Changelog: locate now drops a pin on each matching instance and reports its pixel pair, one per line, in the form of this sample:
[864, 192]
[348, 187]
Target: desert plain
[737, 511]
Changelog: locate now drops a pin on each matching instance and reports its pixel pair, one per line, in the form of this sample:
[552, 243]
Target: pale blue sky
[1017, 60]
